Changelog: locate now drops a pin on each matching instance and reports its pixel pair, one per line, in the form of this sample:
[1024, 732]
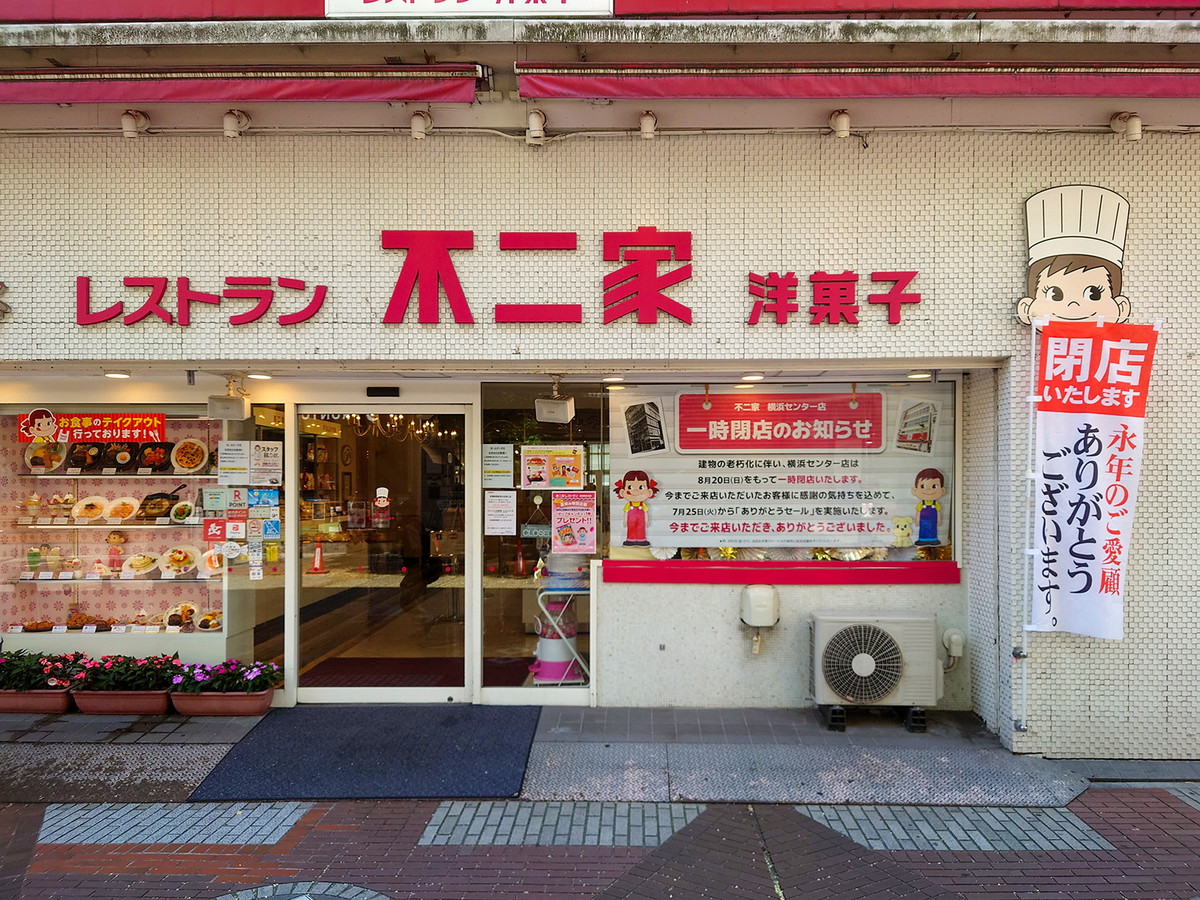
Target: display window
[104, 511]
[126, 530]
[698, 482]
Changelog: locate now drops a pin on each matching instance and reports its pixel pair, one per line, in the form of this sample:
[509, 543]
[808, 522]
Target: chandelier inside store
[400, 428]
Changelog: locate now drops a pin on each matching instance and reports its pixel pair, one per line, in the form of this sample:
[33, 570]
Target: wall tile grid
[948, 205]
[977, 546]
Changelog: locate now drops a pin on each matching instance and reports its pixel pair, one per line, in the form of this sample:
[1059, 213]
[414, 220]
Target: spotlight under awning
[795, 81]
[449, 83]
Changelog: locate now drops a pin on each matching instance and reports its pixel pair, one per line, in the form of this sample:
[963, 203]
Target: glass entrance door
[383, 551]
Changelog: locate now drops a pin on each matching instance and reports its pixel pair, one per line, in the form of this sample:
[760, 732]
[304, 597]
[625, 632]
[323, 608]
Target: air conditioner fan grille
[862, 663]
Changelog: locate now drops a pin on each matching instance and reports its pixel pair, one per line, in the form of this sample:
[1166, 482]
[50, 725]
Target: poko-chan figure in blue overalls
[929, 488]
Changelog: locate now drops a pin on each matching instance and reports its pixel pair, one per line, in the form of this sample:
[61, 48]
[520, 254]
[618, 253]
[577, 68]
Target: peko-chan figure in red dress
[635, 489]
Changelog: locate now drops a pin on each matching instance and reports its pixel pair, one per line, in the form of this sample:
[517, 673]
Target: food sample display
[107, 536]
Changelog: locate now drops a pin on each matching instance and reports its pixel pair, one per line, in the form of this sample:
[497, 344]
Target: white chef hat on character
[1076, 219]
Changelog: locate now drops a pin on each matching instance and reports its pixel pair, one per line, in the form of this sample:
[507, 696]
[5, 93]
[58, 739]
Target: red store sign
[647, 263]
[774, 423]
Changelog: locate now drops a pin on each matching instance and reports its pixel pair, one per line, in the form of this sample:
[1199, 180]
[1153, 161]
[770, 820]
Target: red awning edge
[803, 81]
[440, 84]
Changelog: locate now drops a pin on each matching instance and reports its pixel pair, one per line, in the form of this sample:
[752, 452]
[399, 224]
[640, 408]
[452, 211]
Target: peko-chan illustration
[929, 487]
[1076, 236]
[635, 489]
[41, 426]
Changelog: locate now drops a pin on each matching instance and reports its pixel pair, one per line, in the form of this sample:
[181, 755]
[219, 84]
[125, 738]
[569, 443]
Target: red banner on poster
[1095, 369]
[45, 426]
[770, 423]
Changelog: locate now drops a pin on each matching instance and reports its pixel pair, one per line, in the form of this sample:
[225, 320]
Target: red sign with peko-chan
[771, 423]
[44, 425]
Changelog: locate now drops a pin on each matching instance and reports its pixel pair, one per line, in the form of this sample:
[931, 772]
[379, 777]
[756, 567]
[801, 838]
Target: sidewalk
[615, 804]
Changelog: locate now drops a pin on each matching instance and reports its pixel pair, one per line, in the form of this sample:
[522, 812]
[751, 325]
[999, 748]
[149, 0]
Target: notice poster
[573, 522]
[552, 467]
[233, 462]
[784, 468]
[497, 466]
[500, 512]
[1091, 404]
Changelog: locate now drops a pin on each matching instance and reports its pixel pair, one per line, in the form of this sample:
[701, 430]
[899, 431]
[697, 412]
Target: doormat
[425, 671]
[387, 751]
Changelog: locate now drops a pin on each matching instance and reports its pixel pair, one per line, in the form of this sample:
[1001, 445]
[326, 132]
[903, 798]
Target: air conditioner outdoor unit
[875, 660]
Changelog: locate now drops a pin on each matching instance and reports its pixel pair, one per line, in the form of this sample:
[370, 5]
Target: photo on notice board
[916, 426]
[645, 428]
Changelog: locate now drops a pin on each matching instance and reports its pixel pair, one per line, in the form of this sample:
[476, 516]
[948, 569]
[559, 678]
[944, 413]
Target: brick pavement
[769, 851]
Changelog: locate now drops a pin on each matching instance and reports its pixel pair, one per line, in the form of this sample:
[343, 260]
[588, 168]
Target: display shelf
[124, 582]
[139, 475]
[98, 524]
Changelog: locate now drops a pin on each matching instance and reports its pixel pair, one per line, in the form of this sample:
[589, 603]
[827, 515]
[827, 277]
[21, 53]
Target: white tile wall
[949, 205]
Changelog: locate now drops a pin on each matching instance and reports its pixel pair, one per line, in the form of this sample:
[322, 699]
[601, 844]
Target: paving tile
[951, 828]
[593, 771]
[803, 774]
[35, 773]
[556, 824]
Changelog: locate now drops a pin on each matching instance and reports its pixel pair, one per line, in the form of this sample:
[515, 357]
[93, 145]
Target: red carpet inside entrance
[418, 671]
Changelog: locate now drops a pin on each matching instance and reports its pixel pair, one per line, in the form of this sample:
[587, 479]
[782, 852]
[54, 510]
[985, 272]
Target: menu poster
[573, 522]
[552, 467]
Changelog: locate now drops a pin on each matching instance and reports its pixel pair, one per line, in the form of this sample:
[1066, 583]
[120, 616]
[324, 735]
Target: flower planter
[49, 700]
[122, 703]
[218, 703]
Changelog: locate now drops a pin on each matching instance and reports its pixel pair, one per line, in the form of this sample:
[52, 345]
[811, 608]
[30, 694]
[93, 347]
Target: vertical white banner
[1092, 386]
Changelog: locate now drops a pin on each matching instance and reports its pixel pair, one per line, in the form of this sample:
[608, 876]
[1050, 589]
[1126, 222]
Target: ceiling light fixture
[420, 124]
[613, 378]
[258, 376]
[753, 376]
[614, 387]
[134, 122]
[840, 123]
[742, 387]
[235, 123]
[920, 375]
[117, 373]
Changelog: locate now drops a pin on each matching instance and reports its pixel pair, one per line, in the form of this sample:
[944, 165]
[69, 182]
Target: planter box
[49, 700]
[122, 703]
[215, 703]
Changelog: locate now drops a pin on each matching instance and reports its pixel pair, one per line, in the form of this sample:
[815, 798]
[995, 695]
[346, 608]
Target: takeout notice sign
[43, 425]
